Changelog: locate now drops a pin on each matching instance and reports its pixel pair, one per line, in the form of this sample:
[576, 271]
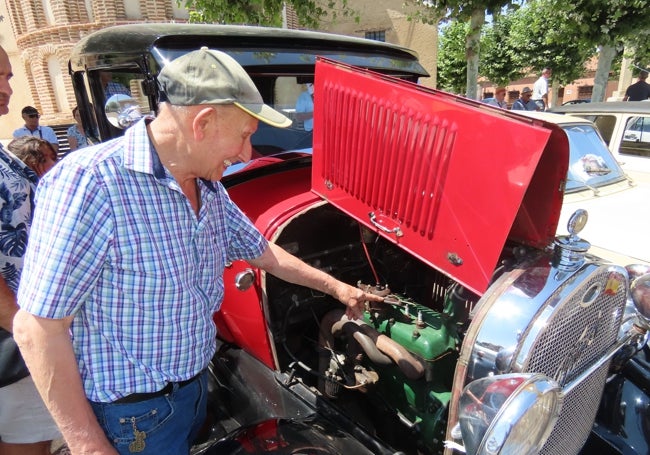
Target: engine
[401, 370]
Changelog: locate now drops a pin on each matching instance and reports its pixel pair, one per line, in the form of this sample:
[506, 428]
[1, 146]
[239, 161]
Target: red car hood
[448, 179]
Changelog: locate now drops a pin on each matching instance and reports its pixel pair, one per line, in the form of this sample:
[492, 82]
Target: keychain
[137, 445]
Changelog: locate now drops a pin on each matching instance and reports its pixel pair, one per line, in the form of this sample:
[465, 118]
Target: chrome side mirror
[122, 111]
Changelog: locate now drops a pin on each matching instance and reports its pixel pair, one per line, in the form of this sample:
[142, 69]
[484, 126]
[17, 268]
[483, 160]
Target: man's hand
[354, 299]
[287, 267]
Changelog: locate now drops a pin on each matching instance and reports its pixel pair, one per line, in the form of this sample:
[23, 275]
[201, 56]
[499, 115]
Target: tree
[499, 60]
[464, 10]
[264, 12]
[604, 24]
[452, 61]
[535, 42]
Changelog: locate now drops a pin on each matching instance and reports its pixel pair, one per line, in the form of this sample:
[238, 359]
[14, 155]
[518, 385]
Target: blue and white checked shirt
[116, 243]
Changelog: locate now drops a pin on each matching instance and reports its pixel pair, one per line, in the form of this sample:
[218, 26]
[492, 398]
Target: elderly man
[132, 239]
[32, 127]
[524, 103]
[499, 99]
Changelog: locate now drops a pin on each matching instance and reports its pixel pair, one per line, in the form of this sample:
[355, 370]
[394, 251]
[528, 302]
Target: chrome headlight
[509, 414]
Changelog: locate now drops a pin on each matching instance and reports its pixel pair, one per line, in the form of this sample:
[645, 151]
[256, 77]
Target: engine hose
[366, 343]
[336, 320]
[409, 365]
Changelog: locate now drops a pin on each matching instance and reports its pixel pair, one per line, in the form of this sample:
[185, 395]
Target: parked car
[494, 336]
[597, 183]
[625, 126]
[578, 101]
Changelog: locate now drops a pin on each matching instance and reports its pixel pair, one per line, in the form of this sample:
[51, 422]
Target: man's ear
[205, 118]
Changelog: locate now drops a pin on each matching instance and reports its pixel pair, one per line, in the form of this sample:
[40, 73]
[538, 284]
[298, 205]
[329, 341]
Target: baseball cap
[526, 90]
[208, 76]
[27, 110]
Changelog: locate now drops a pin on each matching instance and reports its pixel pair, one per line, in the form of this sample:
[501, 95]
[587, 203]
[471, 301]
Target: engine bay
[392, 371]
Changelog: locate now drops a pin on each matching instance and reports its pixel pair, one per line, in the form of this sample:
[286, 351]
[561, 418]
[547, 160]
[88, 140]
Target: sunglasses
[33, 115]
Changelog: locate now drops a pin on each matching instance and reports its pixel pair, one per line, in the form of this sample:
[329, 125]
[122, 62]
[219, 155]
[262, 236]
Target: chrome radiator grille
[576, 335]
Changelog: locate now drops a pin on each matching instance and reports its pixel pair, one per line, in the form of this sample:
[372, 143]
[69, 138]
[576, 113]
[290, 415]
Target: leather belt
[169, 388]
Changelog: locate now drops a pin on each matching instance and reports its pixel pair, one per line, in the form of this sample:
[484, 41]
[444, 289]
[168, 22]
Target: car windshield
[591, 163]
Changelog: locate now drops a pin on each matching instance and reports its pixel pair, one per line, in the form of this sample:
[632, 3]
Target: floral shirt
[82, 140]
[17, 185]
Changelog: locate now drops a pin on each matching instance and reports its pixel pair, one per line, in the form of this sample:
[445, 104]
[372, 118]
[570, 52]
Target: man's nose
[5, 88]
[246, 153]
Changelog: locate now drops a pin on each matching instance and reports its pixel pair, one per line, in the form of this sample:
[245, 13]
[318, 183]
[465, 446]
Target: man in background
[305, 107]
[26, 427]
[32, 127]
[524, 102]
[640, 90]
[499, 99]
[540, 89]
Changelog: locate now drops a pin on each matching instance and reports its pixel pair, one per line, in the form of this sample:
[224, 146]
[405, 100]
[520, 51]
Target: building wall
[391, 17]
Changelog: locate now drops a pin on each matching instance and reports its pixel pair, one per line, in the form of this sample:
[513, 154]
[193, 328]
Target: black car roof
[110, 45]
[608, 106]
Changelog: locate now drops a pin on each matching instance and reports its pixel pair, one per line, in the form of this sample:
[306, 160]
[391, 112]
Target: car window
[636, 136]
[591, 163]
[605, 125]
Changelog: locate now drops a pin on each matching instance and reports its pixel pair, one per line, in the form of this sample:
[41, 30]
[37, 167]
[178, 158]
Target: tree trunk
[472, 51]
[605, 58]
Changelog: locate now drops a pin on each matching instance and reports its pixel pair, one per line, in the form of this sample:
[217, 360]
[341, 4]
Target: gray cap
[526, 90]
[208, 76]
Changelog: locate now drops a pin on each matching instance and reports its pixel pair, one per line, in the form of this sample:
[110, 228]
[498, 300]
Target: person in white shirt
[540, 89]
[305, 107]
[32, 128]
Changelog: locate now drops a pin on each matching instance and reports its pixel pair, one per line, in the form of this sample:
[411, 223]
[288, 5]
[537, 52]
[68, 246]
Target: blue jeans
[161, 425]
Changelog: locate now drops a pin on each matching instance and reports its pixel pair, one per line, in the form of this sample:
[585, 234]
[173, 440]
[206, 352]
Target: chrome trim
[549, 319]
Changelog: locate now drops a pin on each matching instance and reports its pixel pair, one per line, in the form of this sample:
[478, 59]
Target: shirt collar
[141, 156]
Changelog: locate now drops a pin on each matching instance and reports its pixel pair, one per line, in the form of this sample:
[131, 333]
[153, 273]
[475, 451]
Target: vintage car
[625, 126]
[495, 336]
[596, 182]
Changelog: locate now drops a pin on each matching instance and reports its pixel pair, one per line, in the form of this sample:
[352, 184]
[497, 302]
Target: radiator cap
[569, 250]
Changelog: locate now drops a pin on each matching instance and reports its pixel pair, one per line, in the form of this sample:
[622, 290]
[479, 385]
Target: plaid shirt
[116, 243]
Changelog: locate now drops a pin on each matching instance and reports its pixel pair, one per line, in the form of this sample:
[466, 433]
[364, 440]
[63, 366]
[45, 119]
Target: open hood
[448, 179]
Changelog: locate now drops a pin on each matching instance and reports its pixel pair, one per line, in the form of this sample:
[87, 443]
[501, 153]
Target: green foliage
[536, 41]
[603, 22]
[452, 62]
[637, 48]
[431, 11]
[265, 12]
[497, 55]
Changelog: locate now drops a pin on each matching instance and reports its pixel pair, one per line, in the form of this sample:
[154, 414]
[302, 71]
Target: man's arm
[52, 139]
[8, 306]
[289, 268]
[47, 349]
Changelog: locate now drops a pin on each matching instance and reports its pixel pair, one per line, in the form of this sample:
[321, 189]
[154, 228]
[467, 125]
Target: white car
[625, 127]
[615, 199]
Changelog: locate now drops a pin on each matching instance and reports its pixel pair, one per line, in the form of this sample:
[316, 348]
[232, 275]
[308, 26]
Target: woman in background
[76, 134]
[35, 153]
